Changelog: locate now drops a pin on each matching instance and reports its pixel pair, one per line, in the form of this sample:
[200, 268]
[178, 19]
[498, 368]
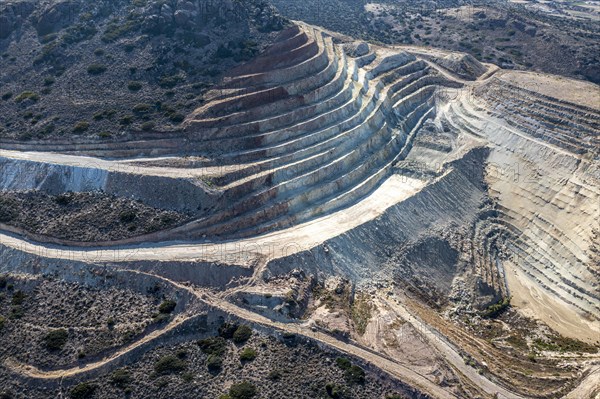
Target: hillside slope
[107, 68]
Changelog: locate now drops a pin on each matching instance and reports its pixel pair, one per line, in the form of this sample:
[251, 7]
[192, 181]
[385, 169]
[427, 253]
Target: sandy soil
[534, 302]
[571, 90]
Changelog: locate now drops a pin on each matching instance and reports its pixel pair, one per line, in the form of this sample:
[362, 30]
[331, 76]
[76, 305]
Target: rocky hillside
[108, 68]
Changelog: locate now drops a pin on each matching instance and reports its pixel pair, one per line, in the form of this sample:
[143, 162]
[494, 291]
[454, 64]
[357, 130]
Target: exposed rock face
[12, 15]
[56, 16]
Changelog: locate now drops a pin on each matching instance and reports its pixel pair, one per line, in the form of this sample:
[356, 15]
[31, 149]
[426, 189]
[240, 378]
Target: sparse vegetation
[361, 313]
[497, 309]
[27, 95]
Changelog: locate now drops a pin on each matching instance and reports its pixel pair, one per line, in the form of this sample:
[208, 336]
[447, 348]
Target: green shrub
[147, 126]
[497, 309]
[334, 391]
[243, 390]
[355, 375]
[352, 373]
[48, 38]
[83, 391]
[7, 95]
[27, 95]
[16, 312]
[18, 298]
[274, 375]
[142, 108]
[214, 362]
[169, 364]
[81, 127]
[168, 82]
[213, 346]
[126, 120]
[56, 339]
[343, 363]
[63, 199]
[160, 317]
[49, 81]
[115, 31]
[242, 334]
[96, 69]
[134, 86]
[167, 306]
[79, 33]
[121, 378]
[187, 377]
[2, 322]
[247, 355]
[226, 330]
[99, 52]
[176, 117]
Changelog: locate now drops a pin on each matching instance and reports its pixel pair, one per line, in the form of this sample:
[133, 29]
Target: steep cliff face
[108, 68]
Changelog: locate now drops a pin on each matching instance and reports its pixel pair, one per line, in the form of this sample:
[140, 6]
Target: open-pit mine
[336, 219]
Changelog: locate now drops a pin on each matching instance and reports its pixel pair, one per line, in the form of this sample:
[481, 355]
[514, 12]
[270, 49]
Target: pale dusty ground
[536, 303]
[589, 388]
[571, 90]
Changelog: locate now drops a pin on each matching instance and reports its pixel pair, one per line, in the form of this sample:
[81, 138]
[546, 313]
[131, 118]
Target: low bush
[18, 298]
[247, 355]
[242, 334]
[81, 127]
[169, 364]
[213, 346]
[274, 375]
[353, 374]
[127, 216]
[56, 339]
[214, 362]
[84, 390]
[134, 86]
[121, 378]
[243, 390]
[147, 126]
[27, 95]
[497, 309]
[96, 69]
[2, 322]
[142, 108]
[226, 330]
[167, 306]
